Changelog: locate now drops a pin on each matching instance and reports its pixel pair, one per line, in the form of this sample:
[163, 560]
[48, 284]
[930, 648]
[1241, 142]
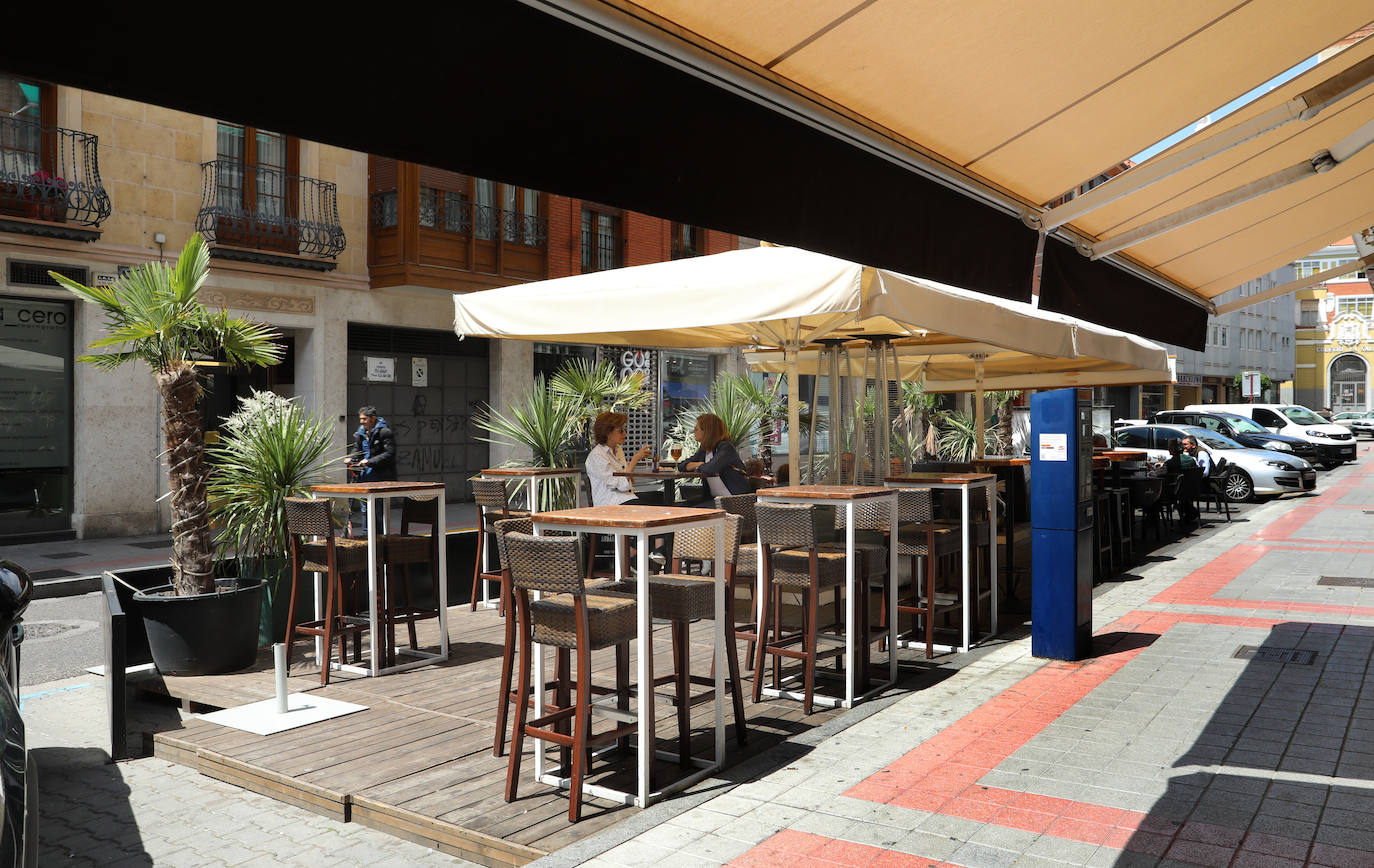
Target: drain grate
[1347, 581]
[1296, 656]
[154, 544]
[40, 575]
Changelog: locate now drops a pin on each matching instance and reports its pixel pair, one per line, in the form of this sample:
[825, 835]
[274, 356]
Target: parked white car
[1360, 423]
[1248, 472]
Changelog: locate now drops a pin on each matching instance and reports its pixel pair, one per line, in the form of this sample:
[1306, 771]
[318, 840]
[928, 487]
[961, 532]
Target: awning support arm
[1324, 161]
[1305, 106]
[1295, 285]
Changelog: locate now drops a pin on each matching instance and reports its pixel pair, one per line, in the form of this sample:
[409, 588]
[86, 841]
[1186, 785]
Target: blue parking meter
[1061, 523]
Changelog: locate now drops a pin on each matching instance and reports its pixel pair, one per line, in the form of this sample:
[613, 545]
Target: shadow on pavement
[84, 811]
[1250, 788]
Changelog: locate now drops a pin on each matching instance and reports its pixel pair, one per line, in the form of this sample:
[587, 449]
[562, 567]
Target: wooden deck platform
[418, 762]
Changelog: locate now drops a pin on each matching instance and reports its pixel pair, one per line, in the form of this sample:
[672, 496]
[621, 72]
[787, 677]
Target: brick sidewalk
[1162, 749]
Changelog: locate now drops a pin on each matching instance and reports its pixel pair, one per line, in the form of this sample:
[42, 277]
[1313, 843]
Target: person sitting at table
[718, 457]
[783, 475]
[606, 460]
[1183, 463]
[1200, 455]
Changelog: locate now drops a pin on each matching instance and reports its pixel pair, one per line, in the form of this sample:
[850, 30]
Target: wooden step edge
[260, 781]
[384, 817]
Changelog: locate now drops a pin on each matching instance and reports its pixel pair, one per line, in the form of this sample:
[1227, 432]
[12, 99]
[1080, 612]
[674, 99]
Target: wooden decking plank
[327, 735]
[516, 854]
[388, 763]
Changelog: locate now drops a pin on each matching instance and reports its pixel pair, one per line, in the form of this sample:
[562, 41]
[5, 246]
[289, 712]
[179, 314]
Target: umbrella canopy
[773, 296]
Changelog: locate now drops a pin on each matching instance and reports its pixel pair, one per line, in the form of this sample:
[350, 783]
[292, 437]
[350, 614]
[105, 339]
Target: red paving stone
[941, 775]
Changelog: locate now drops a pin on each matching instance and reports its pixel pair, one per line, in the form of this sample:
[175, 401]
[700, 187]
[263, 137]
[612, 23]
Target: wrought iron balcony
[261, 213]
[50, 174]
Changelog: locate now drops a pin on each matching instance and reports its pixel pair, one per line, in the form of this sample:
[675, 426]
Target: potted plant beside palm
[197, 624]
[269, 450]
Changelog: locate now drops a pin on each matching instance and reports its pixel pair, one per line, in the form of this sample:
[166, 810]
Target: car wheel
[1331, 465]
[1238, 486]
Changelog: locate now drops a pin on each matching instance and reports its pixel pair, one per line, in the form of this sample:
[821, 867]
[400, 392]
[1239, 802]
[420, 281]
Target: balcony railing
[454, 213]
[50, 174]
[288, 214]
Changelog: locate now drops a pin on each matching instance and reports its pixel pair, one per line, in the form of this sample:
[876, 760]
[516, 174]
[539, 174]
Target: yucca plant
[269, 450]
[595, 387]
[540, 421]
[154, 316]
[956, 436]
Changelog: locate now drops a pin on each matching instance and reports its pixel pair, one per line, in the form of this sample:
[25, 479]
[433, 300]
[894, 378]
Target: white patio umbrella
[767, 296]
[1100, 357]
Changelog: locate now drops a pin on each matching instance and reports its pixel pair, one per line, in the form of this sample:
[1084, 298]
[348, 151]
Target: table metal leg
[724, 633]
[441, 579]
[851, 658]
[372, 578]
[645, 749]
[992, 549]
[964, 530]
[893, 590]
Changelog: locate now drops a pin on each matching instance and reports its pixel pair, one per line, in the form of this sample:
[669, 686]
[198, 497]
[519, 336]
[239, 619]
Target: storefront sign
[635, 362]
[35, 384]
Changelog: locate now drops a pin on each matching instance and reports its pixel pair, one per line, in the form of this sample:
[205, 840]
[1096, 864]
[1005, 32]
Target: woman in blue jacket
[718, 457]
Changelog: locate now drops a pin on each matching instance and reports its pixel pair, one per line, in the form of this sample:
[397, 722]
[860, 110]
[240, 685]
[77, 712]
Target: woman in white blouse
[606, 459]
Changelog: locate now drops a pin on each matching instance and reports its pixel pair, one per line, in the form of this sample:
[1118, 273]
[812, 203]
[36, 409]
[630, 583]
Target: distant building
[1334, 342]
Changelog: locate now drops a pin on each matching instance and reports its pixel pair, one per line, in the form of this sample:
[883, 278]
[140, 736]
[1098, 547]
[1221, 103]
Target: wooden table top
[660, 474]
[625, 515]
[1115, 455]
[942, 478]
[1002, 461]
[531, 471]
[375, 487]
[826, 492]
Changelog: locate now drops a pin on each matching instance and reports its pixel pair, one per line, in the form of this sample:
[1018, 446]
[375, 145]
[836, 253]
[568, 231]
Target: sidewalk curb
[72, 586]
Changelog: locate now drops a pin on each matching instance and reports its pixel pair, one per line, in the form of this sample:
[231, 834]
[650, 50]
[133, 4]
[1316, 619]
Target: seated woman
[718, 457]
[606, 460]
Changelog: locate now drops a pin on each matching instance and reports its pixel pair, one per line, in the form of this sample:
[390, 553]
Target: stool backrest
[510, 525]
[422, 509]
[915, 505]
[490, 494]
[700, 542]
[741, 505]
[787, 525]
[867, 516]
[309, 516]
[552, 564]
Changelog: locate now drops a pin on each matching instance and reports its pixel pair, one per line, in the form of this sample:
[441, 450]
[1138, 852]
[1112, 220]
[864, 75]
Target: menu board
[35, 383]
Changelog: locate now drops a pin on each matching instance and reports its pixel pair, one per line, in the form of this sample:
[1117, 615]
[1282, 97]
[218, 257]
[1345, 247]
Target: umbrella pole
[793, 426]
[811, 440]
[978, 414]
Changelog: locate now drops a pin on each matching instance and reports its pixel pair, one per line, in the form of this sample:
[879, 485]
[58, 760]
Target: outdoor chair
[930, 546]
[333, 557]
[576, 621]
[793, 562]
[401, 551]
[746, 562]
[493, 505]
[1104, 564]
[1146, 492]
[1213, 488]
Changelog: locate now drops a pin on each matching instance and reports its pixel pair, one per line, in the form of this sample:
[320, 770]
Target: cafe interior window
[686, 380]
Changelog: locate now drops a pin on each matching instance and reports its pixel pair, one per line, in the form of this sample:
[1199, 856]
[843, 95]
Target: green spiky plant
[1001, 402]
[269, 450]
[956, 436]
[154, 316]
[594, 388]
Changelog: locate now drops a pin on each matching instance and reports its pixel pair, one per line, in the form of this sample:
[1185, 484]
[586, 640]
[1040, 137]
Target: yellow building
[1335, 346]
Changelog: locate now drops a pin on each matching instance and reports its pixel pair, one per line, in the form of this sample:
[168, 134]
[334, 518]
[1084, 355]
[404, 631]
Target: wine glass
[676, 452]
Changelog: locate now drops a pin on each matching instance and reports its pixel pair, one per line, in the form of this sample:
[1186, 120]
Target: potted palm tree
[269, 449]
[196, 624]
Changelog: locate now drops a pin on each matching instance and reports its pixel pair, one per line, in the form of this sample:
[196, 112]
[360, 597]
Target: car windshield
[1244, 425]
[1211, 439]
[1302, 416]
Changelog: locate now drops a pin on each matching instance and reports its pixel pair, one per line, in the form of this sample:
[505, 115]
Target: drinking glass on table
[676, 452]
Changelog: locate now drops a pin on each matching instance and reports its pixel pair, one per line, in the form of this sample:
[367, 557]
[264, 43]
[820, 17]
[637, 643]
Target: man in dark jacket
[374, 448]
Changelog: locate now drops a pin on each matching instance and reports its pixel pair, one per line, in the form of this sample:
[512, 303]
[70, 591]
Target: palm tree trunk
[1004, 412]
[192, 553]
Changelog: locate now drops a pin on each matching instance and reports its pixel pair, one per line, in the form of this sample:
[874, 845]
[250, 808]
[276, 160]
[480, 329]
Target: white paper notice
[1054, 447]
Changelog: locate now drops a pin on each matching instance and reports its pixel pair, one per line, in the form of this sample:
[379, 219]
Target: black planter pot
[207, 634]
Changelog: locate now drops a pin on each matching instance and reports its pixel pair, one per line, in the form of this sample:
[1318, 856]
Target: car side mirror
[16, 588]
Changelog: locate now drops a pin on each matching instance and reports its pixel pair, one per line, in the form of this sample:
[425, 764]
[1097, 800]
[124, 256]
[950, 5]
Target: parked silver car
[1359, 423]
[1248, 472]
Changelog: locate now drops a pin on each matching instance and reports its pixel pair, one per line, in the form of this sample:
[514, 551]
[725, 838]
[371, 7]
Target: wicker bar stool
[681, 598]
[929, 544]
[399, 552]
[332, 556]
[982, 536]
[493, 505]
[794, 563]
[575, 621]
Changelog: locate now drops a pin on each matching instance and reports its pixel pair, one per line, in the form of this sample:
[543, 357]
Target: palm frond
[539, 421]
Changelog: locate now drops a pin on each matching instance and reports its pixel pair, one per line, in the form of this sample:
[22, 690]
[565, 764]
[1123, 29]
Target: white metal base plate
[262, 718]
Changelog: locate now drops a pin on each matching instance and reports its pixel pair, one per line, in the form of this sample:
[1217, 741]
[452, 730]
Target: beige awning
[1306, 210]
[1034, 97]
